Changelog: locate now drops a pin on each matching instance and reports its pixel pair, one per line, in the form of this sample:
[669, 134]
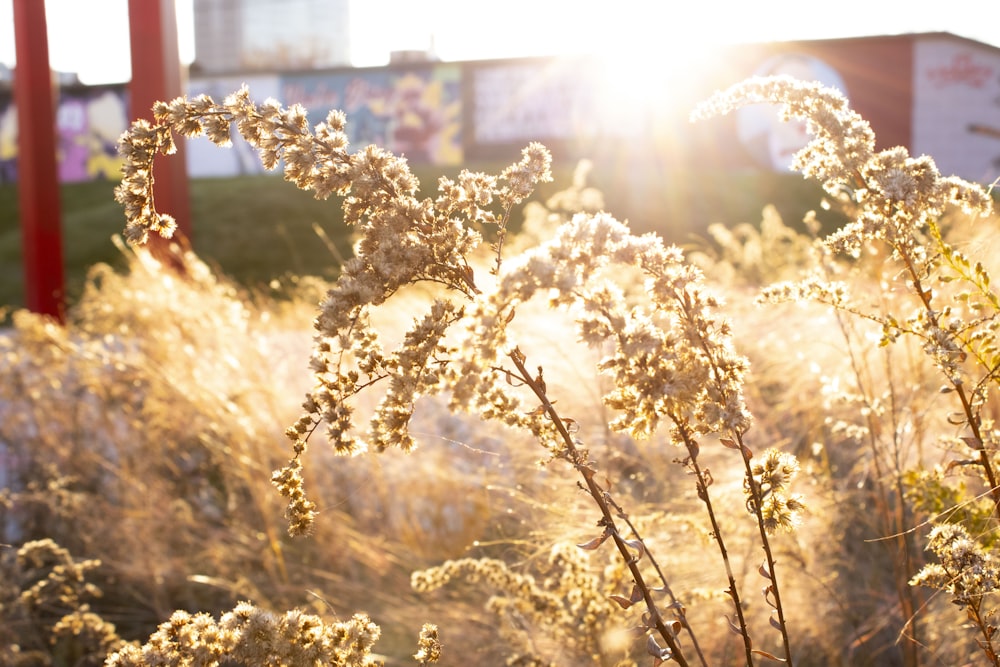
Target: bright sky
[91, 37]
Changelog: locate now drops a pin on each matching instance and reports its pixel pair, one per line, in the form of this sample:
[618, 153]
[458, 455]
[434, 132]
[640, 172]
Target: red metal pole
[156, 75]
[37, 172]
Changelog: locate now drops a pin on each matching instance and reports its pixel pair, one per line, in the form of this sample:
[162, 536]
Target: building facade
[933, 93]
[238, 36]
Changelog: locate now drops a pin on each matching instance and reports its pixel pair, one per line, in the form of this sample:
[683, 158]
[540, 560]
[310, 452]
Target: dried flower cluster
[895, 200]
[969, 575]
[964, 569]
[773, 473]
[897, 194]
[672, 357]
[428, 646]
[569, 612]
[42, 602]
[403, 241]
[251, 636]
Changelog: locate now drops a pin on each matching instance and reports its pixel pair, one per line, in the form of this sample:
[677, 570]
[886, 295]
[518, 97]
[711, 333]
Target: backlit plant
[665, 357]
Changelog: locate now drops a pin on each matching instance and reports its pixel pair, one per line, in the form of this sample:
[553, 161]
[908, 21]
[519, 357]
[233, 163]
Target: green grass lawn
[258, 228]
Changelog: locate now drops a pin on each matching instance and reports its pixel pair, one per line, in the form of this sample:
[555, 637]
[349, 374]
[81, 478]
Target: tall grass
[778, 447]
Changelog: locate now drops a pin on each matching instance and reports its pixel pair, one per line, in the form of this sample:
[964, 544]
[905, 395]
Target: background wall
[934, 93]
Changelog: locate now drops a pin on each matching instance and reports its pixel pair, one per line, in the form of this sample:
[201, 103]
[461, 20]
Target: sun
[646, 64]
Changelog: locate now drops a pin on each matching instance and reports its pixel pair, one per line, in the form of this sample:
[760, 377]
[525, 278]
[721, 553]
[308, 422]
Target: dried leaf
[775, 624]
[658, 652]
[973, 442]
[622, 601]
[732, 626]
[729, 442]
[958, 463]
[764, 572]
[596, 542]
[636, 594]
[638, 546]
[765, 654]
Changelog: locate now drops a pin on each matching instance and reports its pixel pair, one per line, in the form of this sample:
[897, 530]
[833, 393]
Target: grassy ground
[260, 227]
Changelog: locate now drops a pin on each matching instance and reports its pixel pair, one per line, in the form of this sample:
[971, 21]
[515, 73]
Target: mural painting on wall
[8, 141]
[205, 159]
[957, 107]
[88, 124]
[532, 101]
[770, 141]
[414, 112]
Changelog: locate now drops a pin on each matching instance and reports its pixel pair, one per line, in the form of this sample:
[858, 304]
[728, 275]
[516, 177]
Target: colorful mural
[411, 112]
[935, 93]
[8, 141]
[89, 123]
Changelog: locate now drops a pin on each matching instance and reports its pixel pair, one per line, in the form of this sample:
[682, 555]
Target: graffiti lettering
[361, 92]
[962, 70]
[318, 96]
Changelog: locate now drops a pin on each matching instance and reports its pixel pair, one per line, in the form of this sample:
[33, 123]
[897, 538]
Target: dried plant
[671, 360]
[898, 205]
[44, 613]
[251, 636]
[664, 357]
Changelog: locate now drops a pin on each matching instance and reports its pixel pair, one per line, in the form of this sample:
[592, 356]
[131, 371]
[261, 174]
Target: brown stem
[607, 517]
[674, 602]
[684, 299]
[501, 237]
[987, 643]
[766, 544]
[970, 416]
[701, 478]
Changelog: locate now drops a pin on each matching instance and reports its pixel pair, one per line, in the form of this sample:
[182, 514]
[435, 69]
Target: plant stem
[971, 418]
[674, 602]
[607, 520]
[766, 544]
[702, 482]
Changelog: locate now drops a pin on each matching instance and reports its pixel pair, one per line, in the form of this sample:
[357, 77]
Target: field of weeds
[569, 445]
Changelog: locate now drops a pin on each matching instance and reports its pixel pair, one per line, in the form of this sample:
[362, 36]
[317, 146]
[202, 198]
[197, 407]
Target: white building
[268, 35]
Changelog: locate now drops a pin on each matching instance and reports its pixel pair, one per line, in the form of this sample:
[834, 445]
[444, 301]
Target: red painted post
[37, 172]
[156, 75]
